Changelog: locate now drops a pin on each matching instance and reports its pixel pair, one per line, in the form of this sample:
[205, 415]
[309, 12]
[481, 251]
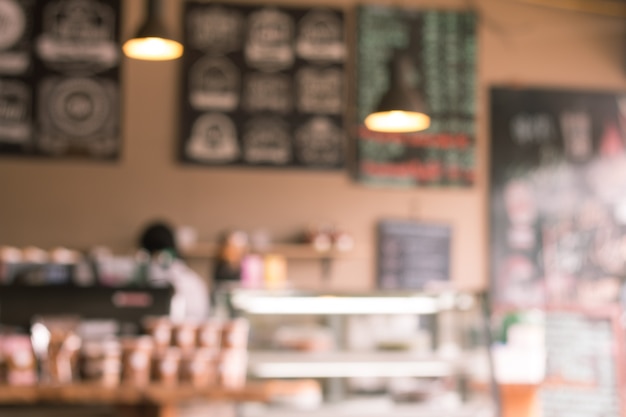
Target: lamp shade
[401, 108]
[153, 41]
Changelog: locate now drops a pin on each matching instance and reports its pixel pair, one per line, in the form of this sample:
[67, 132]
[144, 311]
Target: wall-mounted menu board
[584, 364]
[558, 208]
[442, 45]
[263, 86]
[412, 254]
[59, 78]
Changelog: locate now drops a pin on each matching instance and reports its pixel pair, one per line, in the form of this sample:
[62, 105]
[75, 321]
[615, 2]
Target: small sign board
[412, 254]
[584, 368]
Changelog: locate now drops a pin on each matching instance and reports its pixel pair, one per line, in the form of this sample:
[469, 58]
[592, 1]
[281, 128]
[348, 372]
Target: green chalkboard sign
[442, 47]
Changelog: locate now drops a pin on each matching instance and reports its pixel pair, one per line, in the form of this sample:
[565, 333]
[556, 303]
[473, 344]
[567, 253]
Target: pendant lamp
[401, 109]
[153, 42]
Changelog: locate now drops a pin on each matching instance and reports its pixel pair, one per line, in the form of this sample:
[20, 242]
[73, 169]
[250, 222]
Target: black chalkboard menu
[263, 86]
[558, 211]
[412, 254]
[584, 364]
[59, 78]
[442, 46]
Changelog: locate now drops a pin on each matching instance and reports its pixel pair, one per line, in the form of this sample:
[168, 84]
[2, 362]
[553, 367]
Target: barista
[191, 298]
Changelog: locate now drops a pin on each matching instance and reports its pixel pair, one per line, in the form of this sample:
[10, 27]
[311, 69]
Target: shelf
[302, 251]
[75, 394]
[295, 302]
[373, 408]
[275, 364]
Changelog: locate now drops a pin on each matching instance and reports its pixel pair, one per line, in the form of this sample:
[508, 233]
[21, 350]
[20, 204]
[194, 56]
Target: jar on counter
[185, 335]
[235, 334]
[19, 360]
[165, 366]
[63, 355]
[199, 368]
[160, 328]
[136, 356]
[101, 362]
[210, 334]
[232, 365]
[275, 271]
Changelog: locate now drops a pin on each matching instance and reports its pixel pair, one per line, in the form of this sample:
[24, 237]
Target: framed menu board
[263, 86]
[584, 364]
[442, 46]
[412, 255]
[558, 212]
[59, 78]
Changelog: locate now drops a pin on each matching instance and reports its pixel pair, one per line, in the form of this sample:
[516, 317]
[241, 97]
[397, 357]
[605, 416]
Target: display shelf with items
[296, 251]
[313, 243]
[100, 330]
[254, 260]
[419, 353]
[67, 350]
[69, 361]
[279, 252]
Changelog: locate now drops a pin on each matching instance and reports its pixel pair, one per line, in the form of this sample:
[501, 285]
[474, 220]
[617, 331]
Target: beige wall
[78, 204]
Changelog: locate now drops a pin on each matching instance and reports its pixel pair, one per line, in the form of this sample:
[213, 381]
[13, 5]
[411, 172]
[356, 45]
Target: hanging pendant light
[401, 109]
[153, 42]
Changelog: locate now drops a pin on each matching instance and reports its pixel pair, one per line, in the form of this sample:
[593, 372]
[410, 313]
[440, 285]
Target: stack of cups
[166, 357]
[136, 358]
[199, 366]
[233, 356]
[209, 353]
[101, 362]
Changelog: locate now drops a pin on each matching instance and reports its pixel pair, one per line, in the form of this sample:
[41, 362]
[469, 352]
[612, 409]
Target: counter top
[125, 395]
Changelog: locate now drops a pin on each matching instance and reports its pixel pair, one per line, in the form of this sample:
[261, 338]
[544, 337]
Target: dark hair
[158, 236]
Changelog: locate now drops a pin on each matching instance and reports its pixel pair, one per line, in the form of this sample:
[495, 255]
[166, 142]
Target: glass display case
[374, 353]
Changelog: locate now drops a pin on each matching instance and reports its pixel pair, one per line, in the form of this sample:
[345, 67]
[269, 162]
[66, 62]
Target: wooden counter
[161, 401]
[149, 401]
